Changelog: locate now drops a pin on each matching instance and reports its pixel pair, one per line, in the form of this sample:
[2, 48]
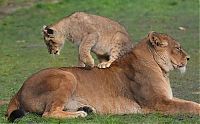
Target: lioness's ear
[155, 40]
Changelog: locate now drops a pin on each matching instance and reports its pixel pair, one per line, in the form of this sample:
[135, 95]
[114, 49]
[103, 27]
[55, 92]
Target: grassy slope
[23, 51]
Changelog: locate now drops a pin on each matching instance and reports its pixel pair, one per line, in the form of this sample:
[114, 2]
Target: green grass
[22, 51]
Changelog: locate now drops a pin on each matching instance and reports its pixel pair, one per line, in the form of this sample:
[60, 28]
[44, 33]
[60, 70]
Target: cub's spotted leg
[106, 64]
[80, 63]
[103, 58]
[122, 44]
[85, 47]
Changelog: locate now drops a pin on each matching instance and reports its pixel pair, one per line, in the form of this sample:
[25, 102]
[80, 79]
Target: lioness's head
[167, 52]
[53, 39]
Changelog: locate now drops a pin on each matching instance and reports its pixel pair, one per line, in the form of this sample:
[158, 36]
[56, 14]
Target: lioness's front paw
[104, 65]
[81, 114]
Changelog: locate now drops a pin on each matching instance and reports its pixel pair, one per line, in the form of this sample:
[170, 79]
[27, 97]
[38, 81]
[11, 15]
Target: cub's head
[167, 52]
[53, 39]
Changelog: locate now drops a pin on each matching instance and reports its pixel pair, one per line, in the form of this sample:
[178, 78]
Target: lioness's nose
[188, 57]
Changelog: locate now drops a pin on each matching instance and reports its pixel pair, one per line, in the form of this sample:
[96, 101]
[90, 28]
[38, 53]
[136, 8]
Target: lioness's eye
[178, 48]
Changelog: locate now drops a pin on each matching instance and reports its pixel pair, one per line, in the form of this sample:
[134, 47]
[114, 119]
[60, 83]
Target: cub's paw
[81, 64]
[104, 65]
[81, 114]
[88, 62]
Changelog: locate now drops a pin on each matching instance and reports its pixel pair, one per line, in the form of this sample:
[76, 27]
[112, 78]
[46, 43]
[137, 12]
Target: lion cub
[106, 38]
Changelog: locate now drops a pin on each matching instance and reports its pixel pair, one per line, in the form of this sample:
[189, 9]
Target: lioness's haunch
[106, 38]
[135, 83]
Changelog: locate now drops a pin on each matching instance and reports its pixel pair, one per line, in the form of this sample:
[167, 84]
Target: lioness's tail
[19, 113]
[14, 111]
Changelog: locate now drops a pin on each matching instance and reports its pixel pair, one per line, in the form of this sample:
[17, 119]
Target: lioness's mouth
[181, 67]
[177, 65]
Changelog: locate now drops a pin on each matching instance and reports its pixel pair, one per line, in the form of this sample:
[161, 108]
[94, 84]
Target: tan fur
[106, 38]
[135, 83]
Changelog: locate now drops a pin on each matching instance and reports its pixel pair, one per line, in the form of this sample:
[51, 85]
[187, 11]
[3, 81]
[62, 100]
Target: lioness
[135, 83]
[106, 38]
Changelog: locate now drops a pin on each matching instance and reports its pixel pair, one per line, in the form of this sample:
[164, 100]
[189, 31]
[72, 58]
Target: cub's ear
[44, 27]
[155, 40]
[48, 31]
[44, 31]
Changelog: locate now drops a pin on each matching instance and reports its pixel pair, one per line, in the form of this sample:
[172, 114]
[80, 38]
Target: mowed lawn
[23, 52]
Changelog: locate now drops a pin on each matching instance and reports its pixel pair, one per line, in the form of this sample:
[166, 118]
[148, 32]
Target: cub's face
[53, 40]
[168, 52]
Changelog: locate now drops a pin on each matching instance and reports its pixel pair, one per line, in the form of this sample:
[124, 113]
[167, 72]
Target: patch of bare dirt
[11, 6]
[2, 102]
